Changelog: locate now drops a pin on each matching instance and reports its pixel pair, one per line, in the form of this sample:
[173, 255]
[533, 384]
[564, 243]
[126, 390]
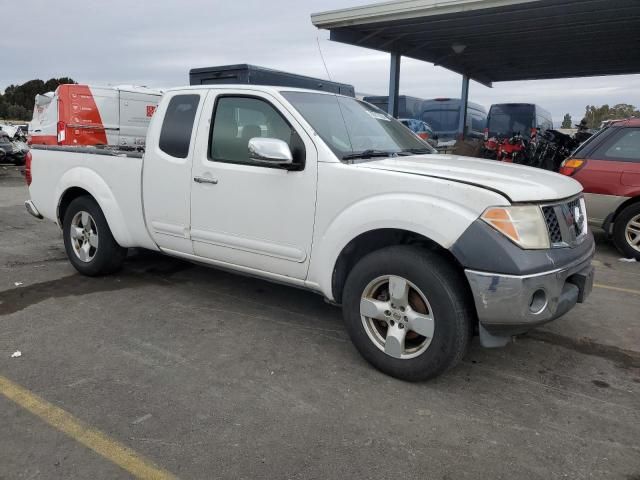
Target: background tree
[566, 122]
[18, 100]
[596, 115]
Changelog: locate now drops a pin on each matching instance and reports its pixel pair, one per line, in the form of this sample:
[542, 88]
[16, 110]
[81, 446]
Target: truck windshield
[354, 129]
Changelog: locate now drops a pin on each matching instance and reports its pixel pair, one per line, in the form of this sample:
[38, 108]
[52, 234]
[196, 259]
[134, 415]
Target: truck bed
[112, 176]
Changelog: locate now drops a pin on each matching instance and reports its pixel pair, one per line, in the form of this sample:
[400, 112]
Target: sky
[155, 43]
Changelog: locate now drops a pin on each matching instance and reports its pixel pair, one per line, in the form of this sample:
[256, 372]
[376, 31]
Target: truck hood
[517, 182]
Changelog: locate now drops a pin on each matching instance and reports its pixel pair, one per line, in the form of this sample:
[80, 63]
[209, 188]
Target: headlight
[524, 225]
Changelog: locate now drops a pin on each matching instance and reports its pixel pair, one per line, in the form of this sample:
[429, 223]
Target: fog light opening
[538, 301]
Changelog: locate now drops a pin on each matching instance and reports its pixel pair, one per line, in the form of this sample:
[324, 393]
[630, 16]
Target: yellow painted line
[617, 289]
[91, 438]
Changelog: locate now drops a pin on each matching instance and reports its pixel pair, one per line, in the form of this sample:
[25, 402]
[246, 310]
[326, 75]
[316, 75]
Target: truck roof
[255, 75]
[262, 88]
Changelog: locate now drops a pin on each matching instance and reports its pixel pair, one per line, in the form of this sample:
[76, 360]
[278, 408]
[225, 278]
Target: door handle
[213, 181]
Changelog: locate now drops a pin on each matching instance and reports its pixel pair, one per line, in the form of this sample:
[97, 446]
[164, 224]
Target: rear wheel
[407, 312]
[88, 241]
[626, 231]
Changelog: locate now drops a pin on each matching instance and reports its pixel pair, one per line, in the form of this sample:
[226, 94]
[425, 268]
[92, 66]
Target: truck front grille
[555, 235]
[566, 222]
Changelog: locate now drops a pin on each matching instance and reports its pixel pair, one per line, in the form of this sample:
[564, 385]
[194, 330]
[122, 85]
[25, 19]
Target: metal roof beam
[403, 9]
[595, 8]
[505, 40]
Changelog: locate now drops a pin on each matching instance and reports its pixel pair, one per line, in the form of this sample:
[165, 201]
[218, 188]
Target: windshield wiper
[417, 151]
[368, 154]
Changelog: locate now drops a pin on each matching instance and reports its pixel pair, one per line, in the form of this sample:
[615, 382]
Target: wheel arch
[382, 220]
[609, 221]
[625, 204]
[373, 240]
[85, 182]
[68, 196]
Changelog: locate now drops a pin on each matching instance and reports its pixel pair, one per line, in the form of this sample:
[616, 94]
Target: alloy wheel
[84, 236]
[397, 316]
[632, 233]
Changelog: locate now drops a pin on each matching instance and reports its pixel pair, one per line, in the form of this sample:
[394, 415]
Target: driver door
[245, 214]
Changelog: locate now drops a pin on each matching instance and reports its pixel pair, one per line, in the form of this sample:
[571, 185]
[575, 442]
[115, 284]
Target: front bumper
[513, 304]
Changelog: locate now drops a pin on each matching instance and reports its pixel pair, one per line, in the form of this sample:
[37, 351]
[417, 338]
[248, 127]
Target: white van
[87, 115]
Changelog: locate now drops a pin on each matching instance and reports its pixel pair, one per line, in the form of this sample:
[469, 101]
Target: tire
[438, 305]
[84, 225]
[626, 231]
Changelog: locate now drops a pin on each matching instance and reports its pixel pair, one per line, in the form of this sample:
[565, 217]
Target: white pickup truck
[329, 193]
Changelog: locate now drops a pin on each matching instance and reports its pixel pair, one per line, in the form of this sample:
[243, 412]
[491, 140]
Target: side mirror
[271, 151]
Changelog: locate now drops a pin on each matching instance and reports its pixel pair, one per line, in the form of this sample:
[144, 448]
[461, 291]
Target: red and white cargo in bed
[88, 115]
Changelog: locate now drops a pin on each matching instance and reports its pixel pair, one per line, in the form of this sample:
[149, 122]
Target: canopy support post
[394, 84]
[464, 101]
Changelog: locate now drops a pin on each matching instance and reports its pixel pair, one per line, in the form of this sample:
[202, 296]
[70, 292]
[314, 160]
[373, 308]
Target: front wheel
[88, 241]
[626, 231]
[408, 312]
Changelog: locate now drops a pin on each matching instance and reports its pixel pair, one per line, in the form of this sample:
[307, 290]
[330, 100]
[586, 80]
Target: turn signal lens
[571, 166]
[522, 224]
[500, 219]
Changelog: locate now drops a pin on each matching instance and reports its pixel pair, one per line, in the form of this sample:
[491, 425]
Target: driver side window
[236, 120]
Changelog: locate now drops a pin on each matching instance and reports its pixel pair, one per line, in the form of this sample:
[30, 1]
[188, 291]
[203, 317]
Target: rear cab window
[177, 125]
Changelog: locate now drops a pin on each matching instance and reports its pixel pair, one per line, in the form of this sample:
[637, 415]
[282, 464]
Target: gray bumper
[512, 304]
[31, 208]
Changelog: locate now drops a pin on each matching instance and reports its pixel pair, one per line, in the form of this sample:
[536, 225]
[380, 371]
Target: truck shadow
[144, 268]
[140, 271]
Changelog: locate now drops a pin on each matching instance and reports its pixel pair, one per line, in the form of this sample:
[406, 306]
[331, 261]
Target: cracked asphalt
[212, 375]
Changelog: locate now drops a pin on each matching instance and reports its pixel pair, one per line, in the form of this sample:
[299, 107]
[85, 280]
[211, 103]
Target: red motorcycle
[511, 150]
[506, 149]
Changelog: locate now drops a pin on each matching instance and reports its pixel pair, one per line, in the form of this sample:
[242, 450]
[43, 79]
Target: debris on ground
[17, 284]
[627, 260]
[16, 354]
[141, 419]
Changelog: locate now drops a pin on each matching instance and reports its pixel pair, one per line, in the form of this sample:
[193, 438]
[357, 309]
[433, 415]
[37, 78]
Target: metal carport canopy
[499, 40]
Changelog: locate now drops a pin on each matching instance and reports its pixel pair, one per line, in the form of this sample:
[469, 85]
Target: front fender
[440, 220]
[89, 180]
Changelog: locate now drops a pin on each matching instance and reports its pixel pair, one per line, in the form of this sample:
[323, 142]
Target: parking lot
[176, 369]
